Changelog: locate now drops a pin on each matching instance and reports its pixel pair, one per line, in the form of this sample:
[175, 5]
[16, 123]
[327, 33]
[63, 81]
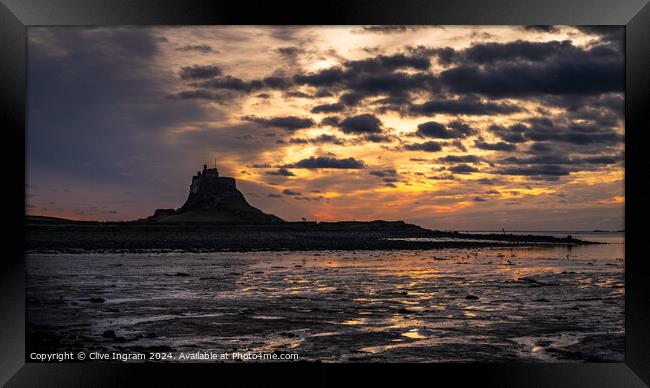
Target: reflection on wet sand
[515, 304]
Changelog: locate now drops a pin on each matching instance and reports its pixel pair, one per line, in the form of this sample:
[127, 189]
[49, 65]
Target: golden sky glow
[127, 115]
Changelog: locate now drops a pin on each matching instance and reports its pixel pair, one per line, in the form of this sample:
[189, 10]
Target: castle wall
[194, 187]
[228, 181]
[214, 199]
[203, 180]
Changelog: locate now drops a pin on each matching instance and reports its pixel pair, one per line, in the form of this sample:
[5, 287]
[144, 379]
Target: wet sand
[524, 304]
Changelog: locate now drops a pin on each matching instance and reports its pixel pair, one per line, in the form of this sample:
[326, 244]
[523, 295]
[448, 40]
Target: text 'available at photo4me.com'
[162, 356]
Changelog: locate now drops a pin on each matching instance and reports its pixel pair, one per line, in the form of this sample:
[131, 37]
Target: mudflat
[527, 304]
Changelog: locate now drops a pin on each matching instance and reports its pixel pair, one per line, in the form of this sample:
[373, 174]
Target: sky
[448, 127]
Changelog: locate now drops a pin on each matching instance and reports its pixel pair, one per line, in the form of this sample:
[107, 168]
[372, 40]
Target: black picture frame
[16, 15]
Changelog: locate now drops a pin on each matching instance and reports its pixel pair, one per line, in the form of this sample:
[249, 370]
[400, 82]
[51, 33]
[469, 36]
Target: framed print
[386, 191]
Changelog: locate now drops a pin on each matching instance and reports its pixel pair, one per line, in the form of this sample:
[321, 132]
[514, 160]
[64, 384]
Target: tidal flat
[483, 304]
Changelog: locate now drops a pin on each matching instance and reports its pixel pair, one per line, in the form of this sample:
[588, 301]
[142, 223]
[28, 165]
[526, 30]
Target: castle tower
[213, 198]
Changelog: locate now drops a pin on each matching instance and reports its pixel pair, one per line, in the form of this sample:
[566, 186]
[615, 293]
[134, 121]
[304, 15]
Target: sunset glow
[478, 128]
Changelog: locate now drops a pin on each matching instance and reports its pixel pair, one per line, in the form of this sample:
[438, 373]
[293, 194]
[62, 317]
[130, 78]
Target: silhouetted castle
[208, 174]
[213, 199]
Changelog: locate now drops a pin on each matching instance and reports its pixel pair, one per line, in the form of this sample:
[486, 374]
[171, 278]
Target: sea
[535, 303]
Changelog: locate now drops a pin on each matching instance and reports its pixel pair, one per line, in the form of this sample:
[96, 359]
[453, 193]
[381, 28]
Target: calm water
[518, 304]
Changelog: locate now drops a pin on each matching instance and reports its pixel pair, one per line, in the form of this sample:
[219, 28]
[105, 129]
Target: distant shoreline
[37, 219]
[73, 237]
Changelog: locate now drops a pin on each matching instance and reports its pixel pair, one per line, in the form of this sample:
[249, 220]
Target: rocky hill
[213, 199]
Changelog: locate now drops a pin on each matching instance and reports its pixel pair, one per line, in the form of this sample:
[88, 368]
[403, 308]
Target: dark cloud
[377, 138]
[546, 172]
[518, 51]
[445, 55]
[564, 131]
[332, 121]
[492, 69]
[231, 83]
[328, 162]
[321, 139]
[391, 29]
[375, 76]
[287, 33]
[202, 48]
[479, 199]
[199, 72]
[512, 134]
[274, 196]
[604, 112]
[458, 145]
[290, 192]
[460, 159]
[297, 94]
[429, 146]
[436, 130]
[201, 94]
[323, 93]
[541, 28]
[364, 123]
[562, 159]
[521, 51]
[524, 69]
[324, 138]
[394, 84]
[328, 108]
[603, 159]
[539, 148]
[515, 68]
[278, 83]
[544, 129]
[443, 177]
[326, 77]
[463, 169]
[487, 181]
[384, 173]
[382, 63]
[308, 198]
[290, 53]
[464, 105]
[237, 84]
[501, 146]
[289, 123]
[525, 79]
[280, 172]
[433, 129]
[352, 98]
